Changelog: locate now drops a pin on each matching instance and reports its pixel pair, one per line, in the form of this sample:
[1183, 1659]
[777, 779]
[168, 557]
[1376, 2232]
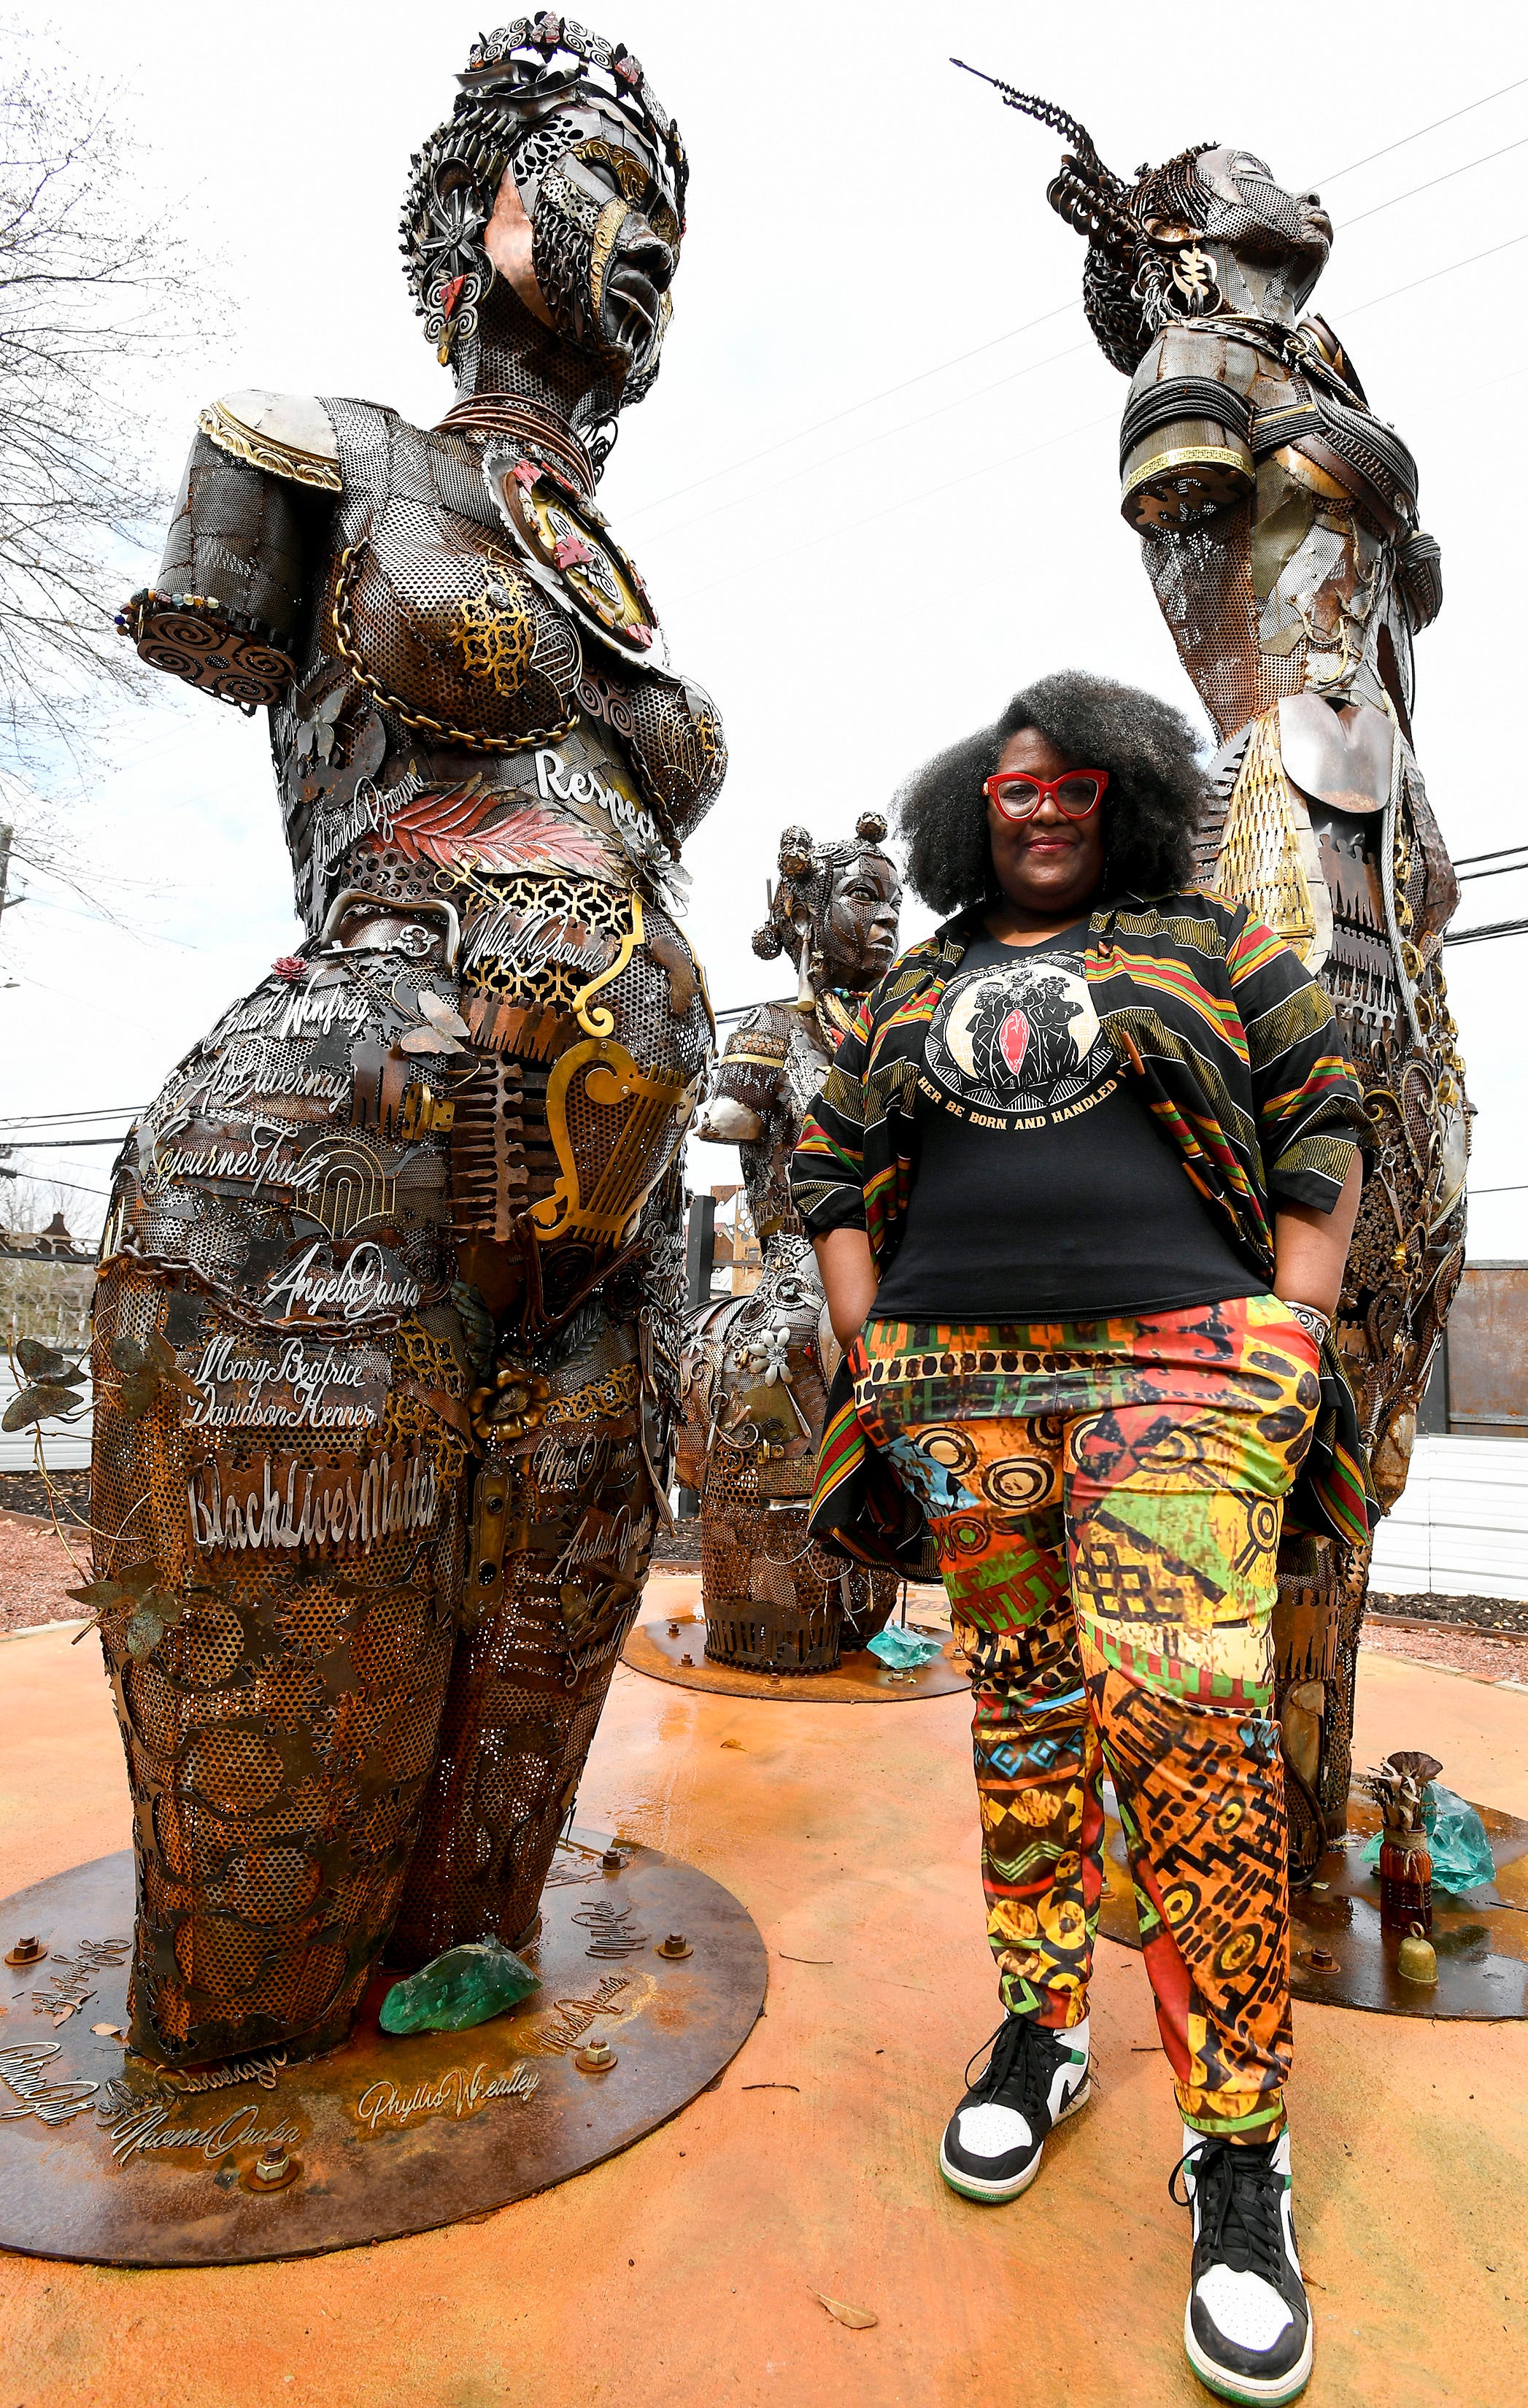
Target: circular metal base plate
[1481, 1936]
[860, 1680]
[107, 2158]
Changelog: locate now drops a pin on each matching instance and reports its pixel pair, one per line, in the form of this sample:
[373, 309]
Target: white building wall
[65, 1447]
[1461, 1528]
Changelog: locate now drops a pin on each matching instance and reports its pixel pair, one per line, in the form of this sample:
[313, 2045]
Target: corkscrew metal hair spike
[1030, 104]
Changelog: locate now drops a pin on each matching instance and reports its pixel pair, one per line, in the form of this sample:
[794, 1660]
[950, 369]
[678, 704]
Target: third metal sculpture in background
[1277, 520]
[757, 1370]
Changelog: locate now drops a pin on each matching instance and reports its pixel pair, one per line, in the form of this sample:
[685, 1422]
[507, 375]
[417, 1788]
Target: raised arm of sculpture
[1277, 520]
[392, 1289]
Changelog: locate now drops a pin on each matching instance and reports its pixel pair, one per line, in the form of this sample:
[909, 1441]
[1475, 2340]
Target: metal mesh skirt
[281, 1729]
[775, 1600]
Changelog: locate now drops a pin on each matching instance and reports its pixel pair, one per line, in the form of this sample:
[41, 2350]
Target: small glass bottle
[1405, 1882]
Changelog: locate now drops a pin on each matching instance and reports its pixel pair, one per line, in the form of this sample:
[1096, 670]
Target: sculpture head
[558, 177]
[835, 909]
[1211, 232]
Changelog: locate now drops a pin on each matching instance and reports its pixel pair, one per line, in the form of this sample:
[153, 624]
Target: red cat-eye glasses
[1075, 795]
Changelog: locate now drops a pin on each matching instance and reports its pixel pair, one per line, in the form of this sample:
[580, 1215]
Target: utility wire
[1494, 928]
[852, 524]
[57, 1144]
[1369, 158]
[926, 494]
[46, 1178]
[1468, 860]
[887, 392]
[870, 401]
[1483, 161]
[1452, 267]
[1503, 870]
[1514, 1187]
[70, 1120]
[888, 434]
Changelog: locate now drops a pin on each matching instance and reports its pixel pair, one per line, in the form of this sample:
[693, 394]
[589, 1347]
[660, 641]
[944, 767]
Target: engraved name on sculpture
[281, 1501]
[139, 2127]
[367, 1284]
[26, 2069]
[243, 1384]
[575, 2015]
[458, 2092]
[262, 2068]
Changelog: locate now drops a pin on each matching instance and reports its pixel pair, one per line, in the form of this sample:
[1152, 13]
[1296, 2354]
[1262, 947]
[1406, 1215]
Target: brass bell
[1417, 1958]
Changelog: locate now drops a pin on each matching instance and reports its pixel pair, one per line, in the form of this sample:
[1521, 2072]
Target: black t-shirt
[1041, 1183]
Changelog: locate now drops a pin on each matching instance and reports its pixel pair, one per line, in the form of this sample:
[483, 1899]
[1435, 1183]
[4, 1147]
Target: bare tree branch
[94, 290]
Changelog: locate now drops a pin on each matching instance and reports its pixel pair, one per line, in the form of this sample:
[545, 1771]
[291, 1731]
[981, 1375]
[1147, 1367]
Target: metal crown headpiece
[519, 65]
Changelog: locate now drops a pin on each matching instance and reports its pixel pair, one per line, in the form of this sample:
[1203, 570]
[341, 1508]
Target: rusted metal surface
[1338, 1955]
[1488, 1352]
[661, 1648]
[107, 2158]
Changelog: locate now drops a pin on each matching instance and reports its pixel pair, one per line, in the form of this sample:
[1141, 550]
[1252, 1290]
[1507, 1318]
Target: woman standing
[1129, 1101]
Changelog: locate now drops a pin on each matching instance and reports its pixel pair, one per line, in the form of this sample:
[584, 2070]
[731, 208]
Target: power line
[870, 399]
[851, 526]
[1468, 860]
[1514, 1187]
[888, 434]
[50, 1120]
[46, 1178]
[887, 392]
[1494, 928]
[1354, 164]
[1510, 244]
[58, 1144]
[1502, 870]
[1484, 161]
[926, 494]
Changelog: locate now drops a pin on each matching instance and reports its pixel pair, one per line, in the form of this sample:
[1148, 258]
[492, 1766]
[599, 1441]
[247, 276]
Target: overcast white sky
[870, 494]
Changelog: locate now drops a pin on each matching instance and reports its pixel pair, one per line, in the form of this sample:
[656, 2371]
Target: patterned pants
[1107, 1498]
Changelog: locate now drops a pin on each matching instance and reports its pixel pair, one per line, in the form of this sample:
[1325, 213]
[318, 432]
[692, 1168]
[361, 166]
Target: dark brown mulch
[26, 1492]
[678, 1550]
[1470, 1613]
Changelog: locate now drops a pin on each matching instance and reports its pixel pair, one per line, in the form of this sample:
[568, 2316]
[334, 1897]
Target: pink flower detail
[639, 633]
[571, 550]
[526, 473]
[291, 967]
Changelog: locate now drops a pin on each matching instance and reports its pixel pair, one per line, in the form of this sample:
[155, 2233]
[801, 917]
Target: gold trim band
[230, 434]
[1188, 455]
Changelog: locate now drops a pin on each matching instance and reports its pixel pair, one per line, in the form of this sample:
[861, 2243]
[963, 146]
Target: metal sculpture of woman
[390, 1315]
[1277, 519]
[758, 1367]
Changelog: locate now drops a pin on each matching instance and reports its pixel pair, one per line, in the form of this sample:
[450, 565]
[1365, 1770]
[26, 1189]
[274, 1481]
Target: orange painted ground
[681, 2275]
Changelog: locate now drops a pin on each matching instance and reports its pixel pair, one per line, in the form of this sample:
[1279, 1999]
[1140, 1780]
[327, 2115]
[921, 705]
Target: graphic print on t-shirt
[1016, 1044]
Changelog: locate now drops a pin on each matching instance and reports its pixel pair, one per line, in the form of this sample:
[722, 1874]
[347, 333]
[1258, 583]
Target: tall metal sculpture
[758, 1367]
[1277, 520]
[390, 1315]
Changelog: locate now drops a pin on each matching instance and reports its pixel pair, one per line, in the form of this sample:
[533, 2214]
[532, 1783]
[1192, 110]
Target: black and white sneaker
[1247, 2327]
[1035, 2079]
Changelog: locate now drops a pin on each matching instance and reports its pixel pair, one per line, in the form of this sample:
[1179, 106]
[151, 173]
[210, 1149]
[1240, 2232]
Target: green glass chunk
[461, 1988]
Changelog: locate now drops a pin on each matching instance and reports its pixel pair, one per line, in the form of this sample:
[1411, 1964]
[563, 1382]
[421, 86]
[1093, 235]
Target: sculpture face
[856, 935]
[1252, 214]
[604, 236]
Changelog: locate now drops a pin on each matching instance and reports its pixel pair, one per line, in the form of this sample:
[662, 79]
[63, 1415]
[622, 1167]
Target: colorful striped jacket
[1226, 1038]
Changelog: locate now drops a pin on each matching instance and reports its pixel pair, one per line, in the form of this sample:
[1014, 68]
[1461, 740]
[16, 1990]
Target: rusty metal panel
[652, 1977]
[1487, 1351]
